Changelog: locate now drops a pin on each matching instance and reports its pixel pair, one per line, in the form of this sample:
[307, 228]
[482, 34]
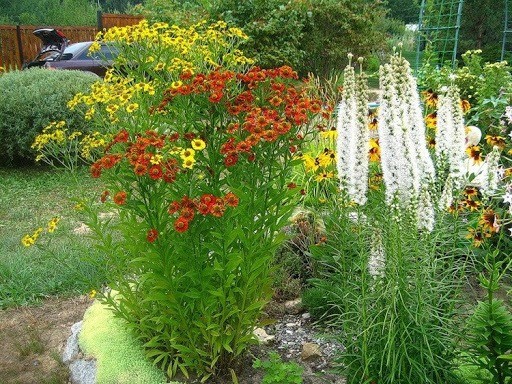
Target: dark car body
[57, 53]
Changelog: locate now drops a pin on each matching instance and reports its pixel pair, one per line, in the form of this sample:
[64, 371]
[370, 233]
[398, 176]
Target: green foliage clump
[490, 326]
[278, 372]
[397, 321]
[49, 12]
[336, 28]
[29, 101]
[276, 30]
[311, 36]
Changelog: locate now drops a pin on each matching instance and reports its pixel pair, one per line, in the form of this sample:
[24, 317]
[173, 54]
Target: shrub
[29, 101]
[312, 36]
[275, 28]
[336, 28]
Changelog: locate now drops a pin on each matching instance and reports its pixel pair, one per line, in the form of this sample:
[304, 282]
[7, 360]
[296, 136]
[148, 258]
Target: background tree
[121, 6]
[337, 27]
[407, 11]
[482, 27]
[49, 12]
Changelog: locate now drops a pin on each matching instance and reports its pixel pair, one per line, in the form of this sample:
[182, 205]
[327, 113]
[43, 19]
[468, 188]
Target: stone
[82, 372]
[262, 336]
[310, 351]
[71, 349]
[293, 307]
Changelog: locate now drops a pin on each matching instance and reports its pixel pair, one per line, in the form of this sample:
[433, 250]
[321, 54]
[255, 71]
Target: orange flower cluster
[141, 154]
[264, 121]
[207, 204]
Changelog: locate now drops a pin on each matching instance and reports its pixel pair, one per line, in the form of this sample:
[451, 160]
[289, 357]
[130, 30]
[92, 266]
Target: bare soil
[32, 340]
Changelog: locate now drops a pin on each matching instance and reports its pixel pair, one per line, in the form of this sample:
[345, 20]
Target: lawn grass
[60, 263]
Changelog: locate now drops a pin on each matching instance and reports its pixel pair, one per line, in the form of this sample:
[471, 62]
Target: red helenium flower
[152, 235]
[231, 199]
[120, 198]
[181, 225]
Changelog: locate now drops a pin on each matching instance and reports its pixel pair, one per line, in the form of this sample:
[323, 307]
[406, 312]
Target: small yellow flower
[79, 207]
[331, 134]
[159, 66]
[198, 144]
[52, 224]
[27, 241]
[156, 159]
[74, 135]
[187, 153]
[324, 176]
[93, 294]
[95, 47]
[188, 163]
[112, 108]
[132, 107]
[176, 84]
[309, 163]
[89, 114]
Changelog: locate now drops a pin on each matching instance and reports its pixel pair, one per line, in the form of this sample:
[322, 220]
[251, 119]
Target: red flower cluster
[139, 154]
[213, 84]
[106, 162]
[207, 204]
[285, 105]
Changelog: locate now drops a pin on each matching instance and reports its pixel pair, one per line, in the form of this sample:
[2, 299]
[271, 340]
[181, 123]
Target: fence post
[99, 18]
[20, 45]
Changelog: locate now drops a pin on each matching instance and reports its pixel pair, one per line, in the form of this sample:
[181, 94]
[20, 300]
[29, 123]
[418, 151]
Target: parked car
[57, 53]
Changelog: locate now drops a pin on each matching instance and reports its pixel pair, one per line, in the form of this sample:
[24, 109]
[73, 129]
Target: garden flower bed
[204, 158]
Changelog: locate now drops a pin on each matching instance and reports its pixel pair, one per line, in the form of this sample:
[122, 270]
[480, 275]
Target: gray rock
[82, 372]
[71, 349]
[310, 351]
[293, 307]
[262, 336]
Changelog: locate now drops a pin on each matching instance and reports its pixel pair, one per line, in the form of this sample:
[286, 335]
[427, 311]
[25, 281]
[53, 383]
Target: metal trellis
[507, 31]
[438, 30]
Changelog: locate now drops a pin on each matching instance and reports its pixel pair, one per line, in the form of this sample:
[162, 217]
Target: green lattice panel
[439, 29]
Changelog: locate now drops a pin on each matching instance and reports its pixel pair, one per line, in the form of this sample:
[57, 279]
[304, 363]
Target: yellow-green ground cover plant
[198, 176]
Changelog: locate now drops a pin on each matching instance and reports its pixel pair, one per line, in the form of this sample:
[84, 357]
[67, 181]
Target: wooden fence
[18, 44]
[109, 20]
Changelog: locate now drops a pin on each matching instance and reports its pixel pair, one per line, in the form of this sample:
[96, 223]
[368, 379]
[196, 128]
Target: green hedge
[29, 101]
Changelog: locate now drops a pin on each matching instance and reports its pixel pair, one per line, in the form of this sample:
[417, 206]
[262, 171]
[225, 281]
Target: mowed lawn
[61, 262]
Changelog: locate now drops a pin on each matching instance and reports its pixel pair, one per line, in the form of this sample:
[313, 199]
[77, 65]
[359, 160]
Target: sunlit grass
[29, 198]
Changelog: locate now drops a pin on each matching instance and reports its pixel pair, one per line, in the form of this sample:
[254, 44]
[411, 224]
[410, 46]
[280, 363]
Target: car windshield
[73, 49]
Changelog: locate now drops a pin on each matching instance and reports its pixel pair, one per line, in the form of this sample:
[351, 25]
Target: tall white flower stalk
[406, 164]
[352, 144]
[451, 137]
[491, 173]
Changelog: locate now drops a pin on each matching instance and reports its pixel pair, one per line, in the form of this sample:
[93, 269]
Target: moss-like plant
[120, 357]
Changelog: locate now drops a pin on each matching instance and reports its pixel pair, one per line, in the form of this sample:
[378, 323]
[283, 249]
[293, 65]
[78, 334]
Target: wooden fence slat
[109, 20]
